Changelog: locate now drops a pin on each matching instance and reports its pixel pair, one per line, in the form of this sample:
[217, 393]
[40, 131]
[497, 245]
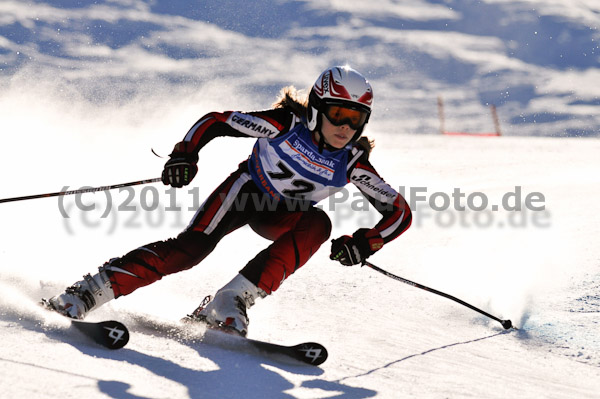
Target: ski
[110, 334]
[311, 353]
[308, 352]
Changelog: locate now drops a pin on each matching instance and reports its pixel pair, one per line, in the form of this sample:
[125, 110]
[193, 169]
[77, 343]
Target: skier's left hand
[353, 250]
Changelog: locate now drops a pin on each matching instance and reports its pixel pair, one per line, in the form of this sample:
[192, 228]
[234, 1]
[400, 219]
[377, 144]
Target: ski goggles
[339, 116]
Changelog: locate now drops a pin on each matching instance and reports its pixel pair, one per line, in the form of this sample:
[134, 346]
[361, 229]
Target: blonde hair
[293, 98]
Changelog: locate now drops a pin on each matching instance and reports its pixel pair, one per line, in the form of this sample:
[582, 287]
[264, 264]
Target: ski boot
[84, 296]
[227, 310]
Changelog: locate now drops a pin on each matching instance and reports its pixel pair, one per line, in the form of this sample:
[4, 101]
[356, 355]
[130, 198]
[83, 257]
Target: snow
[88, 90]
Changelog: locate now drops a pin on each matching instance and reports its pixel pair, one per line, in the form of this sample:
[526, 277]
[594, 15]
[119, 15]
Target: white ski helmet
[344, 87]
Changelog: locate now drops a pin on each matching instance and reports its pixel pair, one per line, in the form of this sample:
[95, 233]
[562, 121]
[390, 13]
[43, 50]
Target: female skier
[305, 151]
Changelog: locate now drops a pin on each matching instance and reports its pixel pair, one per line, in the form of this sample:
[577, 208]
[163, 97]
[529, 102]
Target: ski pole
[505, 323]
[80, 191]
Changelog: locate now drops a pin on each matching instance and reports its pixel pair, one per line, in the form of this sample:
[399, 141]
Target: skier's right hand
[180, 169]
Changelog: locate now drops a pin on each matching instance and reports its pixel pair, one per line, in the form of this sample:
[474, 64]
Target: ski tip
[311, 353]
[110, 334]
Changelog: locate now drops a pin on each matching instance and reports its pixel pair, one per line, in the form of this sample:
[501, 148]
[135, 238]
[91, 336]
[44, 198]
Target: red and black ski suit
[256, 196]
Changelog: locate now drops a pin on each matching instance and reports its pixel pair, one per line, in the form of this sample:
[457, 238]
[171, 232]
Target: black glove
[180, 169]
[353, 250]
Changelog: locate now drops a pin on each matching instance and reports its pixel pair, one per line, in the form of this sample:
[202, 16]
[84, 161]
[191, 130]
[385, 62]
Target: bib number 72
[285, 173]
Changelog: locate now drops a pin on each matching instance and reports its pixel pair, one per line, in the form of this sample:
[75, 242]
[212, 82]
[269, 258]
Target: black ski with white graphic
[308, 352]
[110, 334]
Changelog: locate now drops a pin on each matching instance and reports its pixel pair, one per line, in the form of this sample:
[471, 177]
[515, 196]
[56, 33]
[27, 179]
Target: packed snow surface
[507, 224]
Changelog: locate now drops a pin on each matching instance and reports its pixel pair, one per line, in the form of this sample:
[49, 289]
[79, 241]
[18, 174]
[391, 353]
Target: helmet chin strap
[317, 124]
[321, 141]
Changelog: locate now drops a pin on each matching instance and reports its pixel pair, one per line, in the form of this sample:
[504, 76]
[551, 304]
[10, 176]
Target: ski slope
[88, 90]
[385, 339]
